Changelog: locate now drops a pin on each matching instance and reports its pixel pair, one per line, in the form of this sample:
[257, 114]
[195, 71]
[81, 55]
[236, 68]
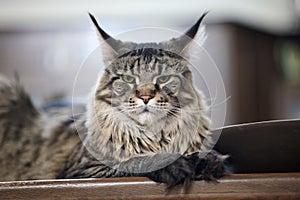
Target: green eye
[128, 79]
[163, 79]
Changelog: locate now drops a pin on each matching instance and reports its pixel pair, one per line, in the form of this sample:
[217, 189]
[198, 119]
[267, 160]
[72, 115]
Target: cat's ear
[111, 47]
[180, 45]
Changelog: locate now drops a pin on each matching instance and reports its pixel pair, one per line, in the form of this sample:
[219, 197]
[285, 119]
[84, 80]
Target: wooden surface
[238, 186]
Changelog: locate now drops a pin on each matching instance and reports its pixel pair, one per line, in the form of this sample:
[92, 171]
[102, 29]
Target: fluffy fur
[144, 118]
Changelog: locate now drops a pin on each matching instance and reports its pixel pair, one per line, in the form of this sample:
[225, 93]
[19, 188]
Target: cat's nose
[146, 98]
[145, 92]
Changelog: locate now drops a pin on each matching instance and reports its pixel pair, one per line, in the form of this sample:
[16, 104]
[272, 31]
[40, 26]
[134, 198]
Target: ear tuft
[194, 29]
[111, 48]
[104, 35]
[181, 44]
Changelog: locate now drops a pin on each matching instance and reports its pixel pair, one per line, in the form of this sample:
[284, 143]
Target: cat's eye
[163, 79]
[128, 79]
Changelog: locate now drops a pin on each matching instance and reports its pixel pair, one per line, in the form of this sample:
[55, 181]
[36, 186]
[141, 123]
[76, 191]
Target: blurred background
[254, 43]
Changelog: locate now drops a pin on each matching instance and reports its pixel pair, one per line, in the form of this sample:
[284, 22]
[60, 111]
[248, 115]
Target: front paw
[210, 166]
[180, 171]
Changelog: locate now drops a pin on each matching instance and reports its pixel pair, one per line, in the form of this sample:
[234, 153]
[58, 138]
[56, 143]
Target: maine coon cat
[138, 122]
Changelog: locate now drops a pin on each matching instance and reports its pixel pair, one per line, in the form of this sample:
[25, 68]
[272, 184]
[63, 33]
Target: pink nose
[145, 98]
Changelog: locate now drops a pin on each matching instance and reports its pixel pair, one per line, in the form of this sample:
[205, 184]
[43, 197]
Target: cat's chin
[146, 118]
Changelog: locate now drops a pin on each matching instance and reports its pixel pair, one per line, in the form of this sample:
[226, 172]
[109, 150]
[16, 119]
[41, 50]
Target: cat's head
[146, 82]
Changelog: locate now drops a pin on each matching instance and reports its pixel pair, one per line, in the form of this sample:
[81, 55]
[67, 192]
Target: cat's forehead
[148, 60]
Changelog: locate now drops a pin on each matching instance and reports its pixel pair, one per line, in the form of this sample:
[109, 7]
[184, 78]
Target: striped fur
[144, 118]
[33, 146]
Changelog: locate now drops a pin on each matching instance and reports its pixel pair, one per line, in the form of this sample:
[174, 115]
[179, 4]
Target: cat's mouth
[147, 116]
[145, 110]
[149, 110]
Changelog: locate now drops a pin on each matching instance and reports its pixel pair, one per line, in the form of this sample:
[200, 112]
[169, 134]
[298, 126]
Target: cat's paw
[185, 169]
[210, 166]
[179, 172]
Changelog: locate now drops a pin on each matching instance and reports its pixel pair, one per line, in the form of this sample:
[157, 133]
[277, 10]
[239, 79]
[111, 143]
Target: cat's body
[33, 145]
[144, 118]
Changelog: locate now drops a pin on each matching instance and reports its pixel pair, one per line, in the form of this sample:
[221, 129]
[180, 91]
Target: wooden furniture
[241, 186]
[266, 153]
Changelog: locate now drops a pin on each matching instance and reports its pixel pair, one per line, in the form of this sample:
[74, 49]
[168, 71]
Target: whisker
[220, 103]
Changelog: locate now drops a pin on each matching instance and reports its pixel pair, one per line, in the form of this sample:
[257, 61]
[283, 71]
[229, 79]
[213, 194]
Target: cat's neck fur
[110, 135]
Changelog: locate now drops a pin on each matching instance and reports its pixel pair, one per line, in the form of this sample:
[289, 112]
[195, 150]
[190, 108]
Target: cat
[138, 122]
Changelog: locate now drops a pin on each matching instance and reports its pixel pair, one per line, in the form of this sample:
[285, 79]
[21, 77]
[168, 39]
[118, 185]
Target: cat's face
[148, 82]
[147, 85]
